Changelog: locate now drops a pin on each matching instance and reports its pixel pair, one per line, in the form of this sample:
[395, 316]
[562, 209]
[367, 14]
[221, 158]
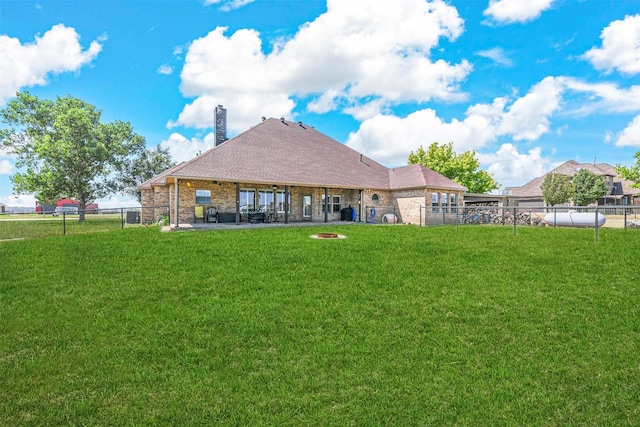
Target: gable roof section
[289, 153]
[285, 153]
[419, 176]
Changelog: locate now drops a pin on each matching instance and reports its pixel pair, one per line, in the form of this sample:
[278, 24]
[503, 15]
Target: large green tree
[64, 150]
[557, 188]
[588, 187]
[150, 163]
[631, 173]
[462, 168]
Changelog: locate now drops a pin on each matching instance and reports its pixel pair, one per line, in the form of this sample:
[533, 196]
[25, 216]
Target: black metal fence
[25, 225]
[595, 217]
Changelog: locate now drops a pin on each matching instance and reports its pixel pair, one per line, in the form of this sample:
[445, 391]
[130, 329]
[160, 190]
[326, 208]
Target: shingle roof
[289, 153]
[533, 188]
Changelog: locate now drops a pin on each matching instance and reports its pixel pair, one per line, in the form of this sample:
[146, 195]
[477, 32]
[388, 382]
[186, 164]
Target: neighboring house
[296, 173]
[2, 208]
[619, 193]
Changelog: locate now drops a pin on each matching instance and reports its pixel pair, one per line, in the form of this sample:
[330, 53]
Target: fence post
[64, 223]
[625, 218]
[121, 218]
[515, 221]
[596, 230]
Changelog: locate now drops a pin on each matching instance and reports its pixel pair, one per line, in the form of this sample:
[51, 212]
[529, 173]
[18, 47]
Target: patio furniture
[198, 214]
[212, 215]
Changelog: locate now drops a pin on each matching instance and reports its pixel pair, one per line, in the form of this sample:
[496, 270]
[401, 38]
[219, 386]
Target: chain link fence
[595, 217]
[71, 221]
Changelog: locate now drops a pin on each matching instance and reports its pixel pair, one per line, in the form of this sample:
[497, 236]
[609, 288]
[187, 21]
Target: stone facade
[405, 204]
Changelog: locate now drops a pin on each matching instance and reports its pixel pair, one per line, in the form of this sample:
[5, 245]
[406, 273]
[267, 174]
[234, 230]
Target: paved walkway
[245, 225]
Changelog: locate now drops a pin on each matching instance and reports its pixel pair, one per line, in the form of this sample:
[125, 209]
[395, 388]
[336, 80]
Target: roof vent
[282, 119]
[264, 118]
[300, 124]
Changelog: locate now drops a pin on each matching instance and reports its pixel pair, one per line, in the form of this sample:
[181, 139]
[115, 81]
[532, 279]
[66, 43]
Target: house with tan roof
[286, 171]
[620, 192]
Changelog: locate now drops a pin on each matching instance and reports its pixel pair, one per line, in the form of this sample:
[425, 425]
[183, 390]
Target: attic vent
[264, 118]
[282, 119]
[300, 124]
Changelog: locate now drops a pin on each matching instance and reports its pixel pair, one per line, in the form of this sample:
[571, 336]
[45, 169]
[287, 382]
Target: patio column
[326, 204]
[286, 204]
[176, 192]
[237, 203]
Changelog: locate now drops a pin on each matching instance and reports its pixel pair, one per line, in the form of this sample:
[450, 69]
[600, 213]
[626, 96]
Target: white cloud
[360, 53]
[228, 5]
[30, 64]
[182, 149]
[630, 137]
[6, 167]
[620, 47]
[528, 118]
[389, 139]
[117, 202]
[603, 96]
[497, 55]
[165, 69]
[510, 167]
[510, 11]
[21, 201]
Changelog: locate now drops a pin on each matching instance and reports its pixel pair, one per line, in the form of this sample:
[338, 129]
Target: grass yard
[26, 226]
[395, 325]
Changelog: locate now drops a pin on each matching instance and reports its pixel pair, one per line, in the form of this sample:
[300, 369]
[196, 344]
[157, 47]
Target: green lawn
[393, 325]
[29, 226]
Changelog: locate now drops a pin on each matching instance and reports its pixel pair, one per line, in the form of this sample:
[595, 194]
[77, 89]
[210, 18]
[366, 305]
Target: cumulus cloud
[620, 47]
[510, 167]
[510, 11]
[630, 137]
[182, 149]
[30, 64]
[603, 97]
[6, 168]
[390, 139]
[360, 55]
[528, 118]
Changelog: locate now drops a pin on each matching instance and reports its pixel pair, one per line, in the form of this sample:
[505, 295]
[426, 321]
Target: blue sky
[527, 84]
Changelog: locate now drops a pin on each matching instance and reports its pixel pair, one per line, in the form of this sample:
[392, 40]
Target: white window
[334, 202]
[280, 199]
[247, 200]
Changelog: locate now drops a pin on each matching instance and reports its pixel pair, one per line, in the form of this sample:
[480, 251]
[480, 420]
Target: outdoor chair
[212, 215]
[199, 214]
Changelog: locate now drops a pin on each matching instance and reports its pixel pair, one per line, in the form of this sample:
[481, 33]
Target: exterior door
[306, 207]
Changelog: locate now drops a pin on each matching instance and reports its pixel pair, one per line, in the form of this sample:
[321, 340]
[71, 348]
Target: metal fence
[596, 217]
[25, 225]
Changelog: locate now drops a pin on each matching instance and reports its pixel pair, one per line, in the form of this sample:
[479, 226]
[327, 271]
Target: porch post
[360, 206]
[286, 204]
[326, 204]
[237, 203]
[176, 196]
